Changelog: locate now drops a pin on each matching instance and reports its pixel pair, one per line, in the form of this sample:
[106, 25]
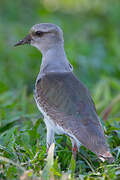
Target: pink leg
[74, 149]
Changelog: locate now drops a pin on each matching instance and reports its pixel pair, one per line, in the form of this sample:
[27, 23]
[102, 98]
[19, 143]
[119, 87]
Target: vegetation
[92, 43]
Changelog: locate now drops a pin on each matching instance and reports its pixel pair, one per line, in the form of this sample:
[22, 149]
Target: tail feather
[106, 156]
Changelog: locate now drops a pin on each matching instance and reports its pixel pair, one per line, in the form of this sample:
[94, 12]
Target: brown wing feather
[67, 101]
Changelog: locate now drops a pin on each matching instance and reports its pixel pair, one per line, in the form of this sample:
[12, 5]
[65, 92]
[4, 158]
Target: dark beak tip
[26, 40]
[18, 43]
[15, 45]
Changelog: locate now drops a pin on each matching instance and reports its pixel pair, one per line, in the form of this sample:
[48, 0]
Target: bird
[62, 98]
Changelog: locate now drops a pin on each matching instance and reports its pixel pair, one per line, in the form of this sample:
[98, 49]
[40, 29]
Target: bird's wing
[67, 101]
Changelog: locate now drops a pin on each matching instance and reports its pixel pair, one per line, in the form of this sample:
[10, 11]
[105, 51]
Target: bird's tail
[106, 156]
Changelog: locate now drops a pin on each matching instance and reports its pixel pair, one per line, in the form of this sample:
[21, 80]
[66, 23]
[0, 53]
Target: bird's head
[43, 36]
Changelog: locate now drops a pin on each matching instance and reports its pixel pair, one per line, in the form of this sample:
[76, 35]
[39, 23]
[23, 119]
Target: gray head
[43, 36]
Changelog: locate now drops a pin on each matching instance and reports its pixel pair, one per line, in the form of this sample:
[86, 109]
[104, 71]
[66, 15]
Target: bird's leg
[74, 148]
[50, 137]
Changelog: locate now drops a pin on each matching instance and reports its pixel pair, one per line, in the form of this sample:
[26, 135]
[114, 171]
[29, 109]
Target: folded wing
[67, 101]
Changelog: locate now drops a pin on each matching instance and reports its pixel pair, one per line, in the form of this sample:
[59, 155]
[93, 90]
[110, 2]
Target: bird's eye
[39, 33]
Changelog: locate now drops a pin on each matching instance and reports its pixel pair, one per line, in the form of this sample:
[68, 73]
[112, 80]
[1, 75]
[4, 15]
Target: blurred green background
[92, 43]
[91, 32]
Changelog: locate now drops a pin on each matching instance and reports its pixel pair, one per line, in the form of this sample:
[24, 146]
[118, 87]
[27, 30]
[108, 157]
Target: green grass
[23, 146]
[92, 44]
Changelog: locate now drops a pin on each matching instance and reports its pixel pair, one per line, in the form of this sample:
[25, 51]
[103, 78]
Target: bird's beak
[26, 40]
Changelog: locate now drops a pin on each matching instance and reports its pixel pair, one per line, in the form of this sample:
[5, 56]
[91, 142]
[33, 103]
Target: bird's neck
[55, 60]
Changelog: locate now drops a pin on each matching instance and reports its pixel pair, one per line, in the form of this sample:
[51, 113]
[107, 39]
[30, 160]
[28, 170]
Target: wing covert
[67, 101]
